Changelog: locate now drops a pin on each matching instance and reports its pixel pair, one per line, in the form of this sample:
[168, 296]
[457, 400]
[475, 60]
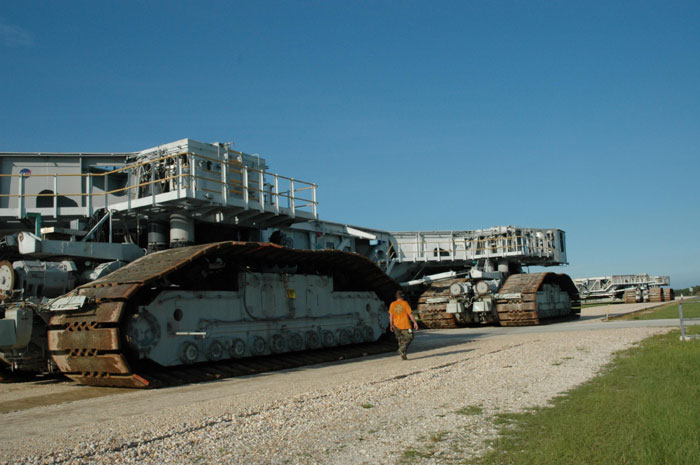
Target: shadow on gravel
[21, 377]
[435, 340]
[448, 335]
[79, 393]
[435, 356]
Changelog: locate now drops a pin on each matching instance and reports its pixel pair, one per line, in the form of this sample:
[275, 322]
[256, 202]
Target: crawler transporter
[630, 288]
[117, 266]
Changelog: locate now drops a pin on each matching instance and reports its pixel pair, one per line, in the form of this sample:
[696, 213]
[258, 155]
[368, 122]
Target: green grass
[691, 309]
[470, 410]
[367, 406]
[643, 410]
[411, 455]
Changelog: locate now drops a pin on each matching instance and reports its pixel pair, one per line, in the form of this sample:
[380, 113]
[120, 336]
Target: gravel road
[437, 407]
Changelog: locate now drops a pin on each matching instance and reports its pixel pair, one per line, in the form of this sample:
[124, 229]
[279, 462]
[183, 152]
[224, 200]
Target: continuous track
[523, 311]
[513, 311]
[430, 309]
[88, 345]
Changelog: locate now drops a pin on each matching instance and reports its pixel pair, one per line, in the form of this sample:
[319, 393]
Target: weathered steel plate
[109, 292]
[106, 312]
[96, 339]
[517, 307]
[130, 381]
[107, 363]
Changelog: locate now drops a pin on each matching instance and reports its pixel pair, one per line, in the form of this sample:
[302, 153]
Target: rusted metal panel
[656, 294]
[107, 312]
[132, 381]
[517, 315]
[95, 339]
[107, 363]
[109, 292]
[523, 283]
[438, 320]
[156, 265]
[518, 307]
[630, 296]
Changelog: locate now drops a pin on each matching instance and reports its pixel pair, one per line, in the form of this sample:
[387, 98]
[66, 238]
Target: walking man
[400, 318]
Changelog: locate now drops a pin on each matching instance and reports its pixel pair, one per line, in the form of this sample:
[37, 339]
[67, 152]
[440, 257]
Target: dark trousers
[404, 337]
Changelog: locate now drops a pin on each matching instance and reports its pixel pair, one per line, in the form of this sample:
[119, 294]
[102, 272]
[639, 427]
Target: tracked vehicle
[476, 277]
[121, 269]
[225, 300]
[458, 278]
[630, 288]
[201, 285]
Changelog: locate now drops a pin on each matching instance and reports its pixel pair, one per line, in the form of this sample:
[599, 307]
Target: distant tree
[688, 291]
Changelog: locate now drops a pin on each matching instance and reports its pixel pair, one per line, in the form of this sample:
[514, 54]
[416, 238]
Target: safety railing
[640, 279]
[183, 174]
[254, 185]
[421, 248]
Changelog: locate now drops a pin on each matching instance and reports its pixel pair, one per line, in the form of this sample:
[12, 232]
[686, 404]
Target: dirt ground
[31, 407]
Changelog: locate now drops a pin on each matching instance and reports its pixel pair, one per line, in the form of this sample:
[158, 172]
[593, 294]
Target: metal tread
[434, 315]
[516, 311]
[87, 344]
[522, 311]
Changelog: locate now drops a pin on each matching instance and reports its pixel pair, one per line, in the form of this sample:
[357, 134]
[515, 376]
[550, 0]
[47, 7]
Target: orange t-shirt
[400, 310]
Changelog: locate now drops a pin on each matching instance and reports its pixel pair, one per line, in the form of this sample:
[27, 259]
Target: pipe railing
[451, 246]
[252, 184]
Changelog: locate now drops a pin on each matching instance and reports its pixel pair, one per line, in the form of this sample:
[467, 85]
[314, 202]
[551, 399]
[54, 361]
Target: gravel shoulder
[438, 405]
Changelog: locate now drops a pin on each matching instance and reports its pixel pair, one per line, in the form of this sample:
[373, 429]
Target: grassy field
[644, 409]
[691, 309]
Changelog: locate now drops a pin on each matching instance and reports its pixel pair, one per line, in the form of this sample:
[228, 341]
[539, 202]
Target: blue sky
[583, 116]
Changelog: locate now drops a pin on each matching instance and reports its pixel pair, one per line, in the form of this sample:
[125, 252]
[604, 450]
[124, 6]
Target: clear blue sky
[408, 115]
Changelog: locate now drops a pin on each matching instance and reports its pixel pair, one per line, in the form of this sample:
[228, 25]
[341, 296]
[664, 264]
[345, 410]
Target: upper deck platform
[527, 246]
[212, 182]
